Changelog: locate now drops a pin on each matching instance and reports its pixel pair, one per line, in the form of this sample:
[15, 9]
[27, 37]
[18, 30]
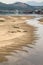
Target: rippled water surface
[27, 53]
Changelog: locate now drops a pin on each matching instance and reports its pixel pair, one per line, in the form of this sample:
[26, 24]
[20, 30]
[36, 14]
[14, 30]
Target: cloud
[12, 1]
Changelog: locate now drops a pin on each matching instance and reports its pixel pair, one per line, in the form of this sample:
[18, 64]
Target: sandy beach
[15, 33]
[12, 27]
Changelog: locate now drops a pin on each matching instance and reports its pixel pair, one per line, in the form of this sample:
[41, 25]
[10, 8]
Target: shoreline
[15, 33]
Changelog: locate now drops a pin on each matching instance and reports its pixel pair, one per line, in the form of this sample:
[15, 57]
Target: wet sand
[12, 27]
[41, 21]
[14, 33]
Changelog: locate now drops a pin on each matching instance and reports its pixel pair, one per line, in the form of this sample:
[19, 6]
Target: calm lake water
[30, 54]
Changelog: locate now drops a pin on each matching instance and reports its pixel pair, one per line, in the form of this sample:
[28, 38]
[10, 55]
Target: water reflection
[18, 44]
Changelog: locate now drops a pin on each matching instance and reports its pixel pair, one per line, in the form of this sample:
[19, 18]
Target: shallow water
[27, 54]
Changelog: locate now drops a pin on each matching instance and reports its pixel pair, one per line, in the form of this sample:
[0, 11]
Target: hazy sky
[12, 1]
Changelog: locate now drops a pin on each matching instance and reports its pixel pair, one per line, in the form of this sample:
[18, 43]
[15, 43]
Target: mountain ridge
[17, 5]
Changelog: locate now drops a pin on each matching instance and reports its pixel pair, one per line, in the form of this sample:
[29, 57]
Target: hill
[17, 5]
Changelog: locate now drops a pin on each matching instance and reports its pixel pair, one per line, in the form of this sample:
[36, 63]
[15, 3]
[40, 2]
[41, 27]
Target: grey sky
[12, 1]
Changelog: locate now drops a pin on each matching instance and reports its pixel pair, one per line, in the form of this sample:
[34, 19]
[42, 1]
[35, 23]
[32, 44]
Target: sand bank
[41, 21]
